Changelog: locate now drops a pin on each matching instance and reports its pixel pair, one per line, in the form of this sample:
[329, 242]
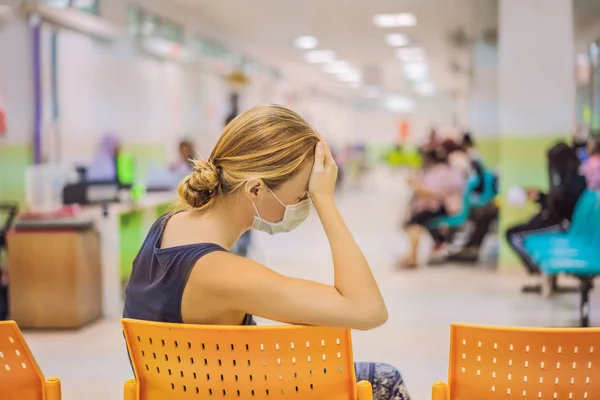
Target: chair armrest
[365, 390]
[440, 391]
[52, 389]
[130, 390]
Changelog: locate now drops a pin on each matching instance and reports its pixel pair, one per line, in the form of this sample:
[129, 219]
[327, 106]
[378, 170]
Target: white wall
[483, 96]
[382, 127]
[113, 87]
[16, 86]
[537, 66]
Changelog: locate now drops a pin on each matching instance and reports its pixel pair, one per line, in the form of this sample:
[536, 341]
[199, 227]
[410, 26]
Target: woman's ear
[254, 189]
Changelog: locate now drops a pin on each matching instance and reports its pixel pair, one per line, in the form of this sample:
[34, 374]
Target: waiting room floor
[92, 363]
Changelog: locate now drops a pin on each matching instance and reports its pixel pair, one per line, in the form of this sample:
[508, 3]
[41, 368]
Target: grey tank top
[159, 277]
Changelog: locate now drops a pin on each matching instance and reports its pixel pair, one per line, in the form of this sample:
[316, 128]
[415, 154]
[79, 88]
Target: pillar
[536, 95]
[483, 101]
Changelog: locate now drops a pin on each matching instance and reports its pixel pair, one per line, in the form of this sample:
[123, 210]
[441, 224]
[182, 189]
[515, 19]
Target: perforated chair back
[503, 363]
[195, 361]
[20, 376]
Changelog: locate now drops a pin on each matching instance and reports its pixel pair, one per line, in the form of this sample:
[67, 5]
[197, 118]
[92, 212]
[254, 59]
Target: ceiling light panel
[306, 42]
[320, 56]
[397, 39]
[409, 54]
[399, 20]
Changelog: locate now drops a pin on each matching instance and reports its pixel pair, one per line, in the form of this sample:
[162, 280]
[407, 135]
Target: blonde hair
[271, 143]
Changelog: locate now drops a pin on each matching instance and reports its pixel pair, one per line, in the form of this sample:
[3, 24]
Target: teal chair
[575, 252]
[568, 243]
[489, 191]
[457, 220]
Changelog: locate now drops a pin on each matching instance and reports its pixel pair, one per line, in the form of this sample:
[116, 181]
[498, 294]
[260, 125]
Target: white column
[537, 84]
[483, 93]
[536, 95]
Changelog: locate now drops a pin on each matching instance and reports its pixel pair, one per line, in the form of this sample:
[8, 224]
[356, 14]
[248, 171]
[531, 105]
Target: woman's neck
[226, 221]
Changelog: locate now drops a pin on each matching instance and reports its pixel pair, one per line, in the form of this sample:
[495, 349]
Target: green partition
[132, 231]
[14, 160]
[164, 208]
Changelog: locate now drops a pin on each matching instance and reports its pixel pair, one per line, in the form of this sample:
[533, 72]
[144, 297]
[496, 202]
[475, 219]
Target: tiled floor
[92, 363]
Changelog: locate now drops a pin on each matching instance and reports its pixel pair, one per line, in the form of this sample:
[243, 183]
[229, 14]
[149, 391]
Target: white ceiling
[266, 29]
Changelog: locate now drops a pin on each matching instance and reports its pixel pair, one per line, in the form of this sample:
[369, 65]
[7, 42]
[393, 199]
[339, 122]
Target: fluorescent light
[396, 39]
[399, 104]
[394, 20]
[425, 89]
[352, 76]
[410, 54]
[416, 71]
[320, 56]
[338, 67]
[306, 42]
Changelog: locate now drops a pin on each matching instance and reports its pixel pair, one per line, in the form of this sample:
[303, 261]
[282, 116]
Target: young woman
[267, 169]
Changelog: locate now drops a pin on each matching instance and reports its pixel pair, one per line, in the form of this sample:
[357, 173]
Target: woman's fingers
[320, 154]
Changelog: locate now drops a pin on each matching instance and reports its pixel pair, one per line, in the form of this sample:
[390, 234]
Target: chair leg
[439, 391]
[52, 389]
[130, 390]
[584, 304]
[365, 390]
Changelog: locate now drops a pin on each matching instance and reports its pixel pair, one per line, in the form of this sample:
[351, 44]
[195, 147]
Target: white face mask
[293, 216]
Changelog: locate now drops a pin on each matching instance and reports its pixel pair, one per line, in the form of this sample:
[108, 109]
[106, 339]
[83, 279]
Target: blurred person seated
[185, 163]
[468, 145]
[457, 157]
[481, 217]
[566, 185]
[432, 142]
[265, 172]
[438, 192]
[591, 166]
[104, 165]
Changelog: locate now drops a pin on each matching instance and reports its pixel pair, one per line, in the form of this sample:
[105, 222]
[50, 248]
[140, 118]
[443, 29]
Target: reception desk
[55, 275]
[67, 272]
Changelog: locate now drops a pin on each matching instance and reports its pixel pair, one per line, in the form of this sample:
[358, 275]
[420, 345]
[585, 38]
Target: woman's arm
[353, 301]
[240, 284]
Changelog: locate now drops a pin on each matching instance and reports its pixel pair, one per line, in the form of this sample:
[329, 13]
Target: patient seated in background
[591, 167]
[438, 193]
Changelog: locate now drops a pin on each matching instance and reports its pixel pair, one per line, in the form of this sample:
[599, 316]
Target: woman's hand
[324, 173]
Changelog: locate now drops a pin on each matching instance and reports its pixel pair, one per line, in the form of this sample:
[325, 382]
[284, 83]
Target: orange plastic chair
[489, 363]
[20, 375]
[196, 361]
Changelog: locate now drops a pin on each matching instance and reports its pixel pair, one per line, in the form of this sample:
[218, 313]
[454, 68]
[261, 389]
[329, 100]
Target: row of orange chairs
[177, 361]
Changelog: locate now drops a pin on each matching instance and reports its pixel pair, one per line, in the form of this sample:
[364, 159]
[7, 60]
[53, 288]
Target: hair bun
[199, 188]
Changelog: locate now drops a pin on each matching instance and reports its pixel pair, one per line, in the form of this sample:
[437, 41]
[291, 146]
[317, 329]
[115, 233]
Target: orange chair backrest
[504, 363]
[20, 375]
[186, 361]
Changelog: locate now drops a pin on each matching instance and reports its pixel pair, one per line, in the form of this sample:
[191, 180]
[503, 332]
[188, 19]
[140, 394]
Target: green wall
[14, 159]
[489, 151]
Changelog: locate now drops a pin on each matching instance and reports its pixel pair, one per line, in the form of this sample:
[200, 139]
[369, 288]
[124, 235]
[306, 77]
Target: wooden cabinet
[55, 278]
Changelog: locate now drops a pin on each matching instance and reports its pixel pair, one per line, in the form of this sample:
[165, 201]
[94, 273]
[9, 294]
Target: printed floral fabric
[385, 379]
